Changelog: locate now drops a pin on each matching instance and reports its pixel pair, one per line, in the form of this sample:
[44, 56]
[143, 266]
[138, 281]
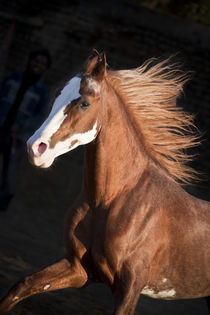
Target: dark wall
[128, 33]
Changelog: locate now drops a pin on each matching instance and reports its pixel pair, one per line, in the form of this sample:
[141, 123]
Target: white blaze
[69, 93]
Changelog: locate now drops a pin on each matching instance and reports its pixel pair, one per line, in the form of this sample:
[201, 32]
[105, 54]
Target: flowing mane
[150, 93]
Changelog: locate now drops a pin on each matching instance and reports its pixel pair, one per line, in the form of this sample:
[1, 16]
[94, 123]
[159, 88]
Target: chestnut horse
[132, 226]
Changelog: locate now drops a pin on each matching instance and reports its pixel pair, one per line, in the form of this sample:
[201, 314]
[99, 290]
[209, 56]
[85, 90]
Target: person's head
[38, 62]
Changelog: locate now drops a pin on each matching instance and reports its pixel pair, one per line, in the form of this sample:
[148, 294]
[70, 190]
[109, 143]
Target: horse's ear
[96, 65]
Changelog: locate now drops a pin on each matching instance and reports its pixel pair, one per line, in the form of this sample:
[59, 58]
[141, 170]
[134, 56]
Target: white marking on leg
[164, 294]
[15, 298]
[46, 287]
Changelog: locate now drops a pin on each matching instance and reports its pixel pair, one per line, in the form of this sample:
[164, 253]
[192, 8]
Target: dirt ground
[31, 238]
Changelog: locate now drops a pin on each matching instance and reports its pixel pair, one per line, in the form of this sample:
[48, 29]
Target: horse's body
[132, 226]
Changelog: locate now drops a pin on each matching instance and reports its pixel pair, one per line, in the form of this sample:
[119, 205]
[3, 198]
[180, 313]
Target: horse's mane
[150, 93]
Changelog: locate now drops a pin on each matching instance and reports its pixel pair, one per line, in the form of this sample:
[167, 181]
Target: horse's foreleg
[126, 293]
[60, 275]
[126, 299]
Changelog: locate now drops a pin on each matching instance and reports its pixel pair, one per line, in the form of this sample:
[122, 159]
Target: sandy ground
[31, 234]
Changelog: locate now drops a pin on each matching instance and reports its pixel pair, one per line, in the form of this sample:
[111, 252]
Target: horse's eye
[84, 104]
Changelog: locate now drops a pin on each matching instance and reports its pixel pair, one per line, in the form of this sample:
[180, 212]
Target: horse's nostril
[42, 147]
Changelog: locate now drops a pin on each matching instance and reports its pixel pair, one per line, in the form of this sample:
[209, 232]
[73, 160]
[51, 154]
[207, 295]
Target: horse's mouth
[45, 165]
[41, 162]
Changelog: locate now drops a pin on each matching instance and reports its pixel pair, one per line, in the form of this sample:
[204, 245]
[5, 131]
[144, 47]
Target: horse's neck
[116, 159]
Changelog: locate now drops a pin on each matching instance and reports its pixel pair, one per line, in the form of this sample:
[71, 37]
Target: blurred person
[24, 100]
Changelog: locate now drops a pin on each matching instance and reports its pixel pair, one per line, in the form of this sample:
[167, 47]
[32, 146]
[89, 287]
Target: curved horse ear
[96, 65]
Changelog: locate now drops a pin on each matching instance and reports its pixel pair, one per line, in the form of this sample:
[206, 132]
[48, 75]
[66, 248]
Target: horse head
[75, 118]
